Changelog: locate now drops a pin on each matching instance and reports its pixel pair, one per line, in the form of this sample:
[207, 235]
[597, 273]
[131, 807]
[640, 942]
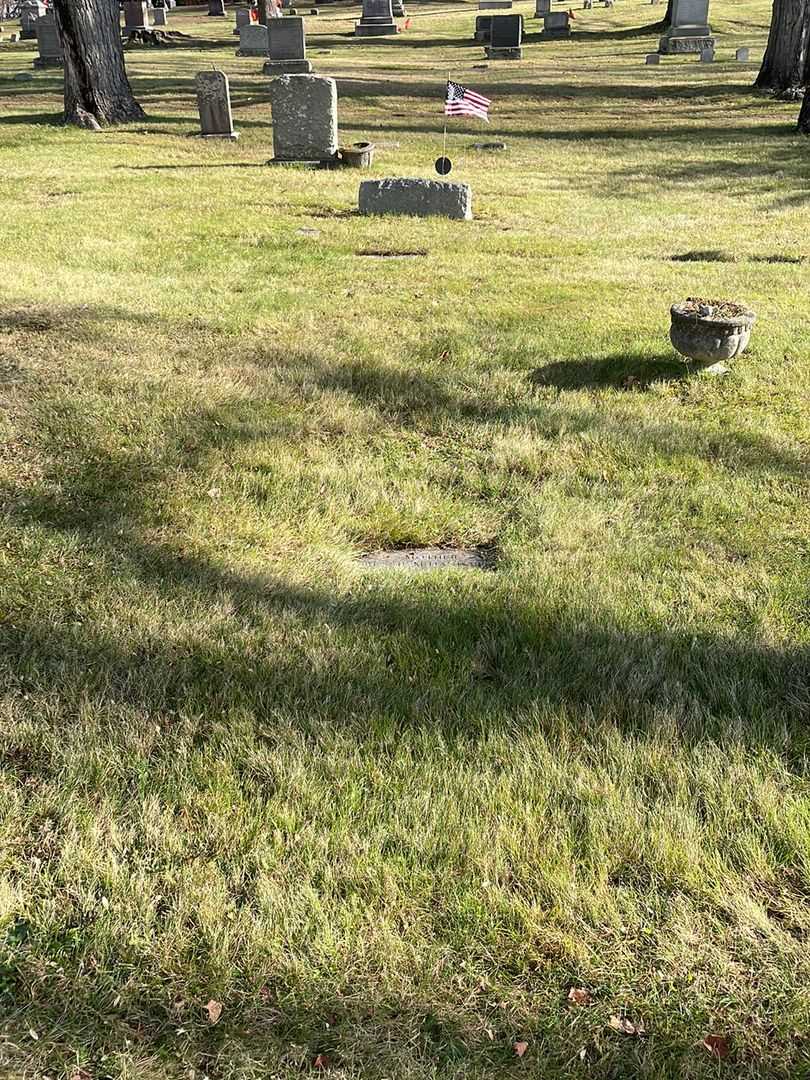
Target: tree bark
[785, 64]
[804, 115]
[97, 90]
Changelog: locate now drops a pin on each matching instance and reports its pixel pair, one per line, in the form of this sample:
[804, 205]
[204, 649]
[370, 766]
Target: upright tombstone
[216, 9]
[304, 118]
[288, 47]
[377, 19]
[742, 55]
[653, 58]
[136, 16]
[214, 103]
[506, 38]
[242, 19]
[483, 28]
[690, 31]
[556, 24]
[541, 8]
[30, 11]
[49, 43]
[707, 56]
[159, 16]
[254, 40]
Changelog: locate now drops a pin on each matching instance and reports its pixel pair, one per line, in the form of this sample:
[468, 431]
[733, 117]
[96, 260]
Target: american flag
[463, 102]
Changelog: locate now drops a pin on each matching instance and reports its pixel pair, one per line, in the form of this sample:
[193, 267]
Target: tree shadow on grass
[623, 371]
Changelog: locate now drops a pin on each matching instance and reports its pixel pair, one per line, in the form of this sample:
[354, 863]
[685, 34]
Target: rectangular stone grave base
[232, 135]
[555, 35]
[252, 52]
[287, 67]
[28, 35]
[304, 163]
[675, 46]
[417, 198]
[48, 62]
[504, 54]
[362, 29]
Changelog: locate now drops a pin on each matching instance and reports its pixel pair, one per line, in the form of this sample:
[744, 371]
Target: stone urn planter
[358, 156]
[709, 332]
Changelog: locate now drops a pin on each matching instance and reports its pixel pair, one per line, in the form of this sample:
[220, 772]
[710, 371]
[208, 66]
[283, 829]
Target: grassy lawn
[393, 819]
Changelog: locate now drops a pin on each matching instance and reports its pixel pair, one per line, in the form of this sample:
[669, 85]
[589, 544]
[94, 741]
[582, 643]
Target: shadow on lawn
[486, 657]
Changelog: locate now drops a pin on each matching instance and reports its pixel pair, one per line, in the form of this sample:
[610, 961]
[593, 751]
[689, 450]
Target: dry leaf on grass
[717, 1045]
[625, 1026]
[321, 1062]
[577, 995]
[214, 1010]
[520, 1048]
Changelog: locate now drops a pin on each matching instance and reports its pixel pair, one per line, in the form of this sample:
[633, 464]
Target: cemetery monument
[690, 31]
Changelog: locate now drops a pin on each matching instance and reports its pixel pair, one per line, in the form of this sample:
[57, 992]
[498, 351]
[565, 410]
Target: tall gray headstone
[253, 40]
[216, 8]
[288, 47]
[30, 11]
[505, 37]
[690, 31]
[541, 8]
[214, 103]
[304, 118]
[49, 43]
[136, 16]
[159, 16]
[377, 19]
[242, 19]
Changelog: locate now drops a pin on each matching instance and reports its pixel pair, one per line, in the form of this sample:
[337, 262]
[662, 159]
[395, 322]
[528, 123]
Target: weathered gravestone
[690, 31]
[556, 24]
[254, 40]
[288, 48]
[707, 56]
[541, 8]
[483, 28]
[505, 38]
[30, 11]
[242, 19]
[418, 198]
[214, 103]
[377, 19]
[653, 58]
[742, 55]
[159, 16]
[304, 118]
[216, 9]
[136, 16]
[49, 43]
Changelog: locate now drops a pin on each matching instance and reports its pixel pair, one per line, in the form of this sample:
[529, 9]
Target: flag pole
[444, 141]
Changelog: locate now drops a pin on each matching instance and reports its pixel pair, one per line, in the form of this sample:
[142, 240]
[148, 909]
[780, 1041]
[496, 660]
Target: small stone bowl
[709, 332]
[358, 156]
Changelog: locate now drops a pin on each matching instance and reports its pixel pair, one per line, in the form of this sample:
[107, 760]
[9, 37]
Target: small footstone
[421, 559]
[653, 58]
[489, 146]
[742, 55]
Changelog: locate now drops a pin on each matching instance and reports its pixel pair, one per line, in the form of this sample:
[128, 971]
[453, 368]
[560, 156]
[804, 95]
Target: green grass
[394, 819]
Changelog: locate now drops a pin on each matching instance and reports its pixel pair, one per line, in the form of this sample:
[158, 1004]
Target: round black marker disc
[443, 166]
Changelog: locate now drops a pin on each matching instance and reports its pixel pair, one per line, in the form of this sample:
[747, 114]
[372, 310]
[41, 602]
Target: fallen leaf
[321, 1062]
[717, 1045]
[625, 1026]
[577, 995]
[520, 1048]
[214, 1010]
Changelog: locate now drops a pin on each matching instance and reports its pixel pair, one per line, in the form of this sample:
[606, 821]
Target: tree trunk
[97, 90]
[804, 115]
[785, 65]
[667, 20]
